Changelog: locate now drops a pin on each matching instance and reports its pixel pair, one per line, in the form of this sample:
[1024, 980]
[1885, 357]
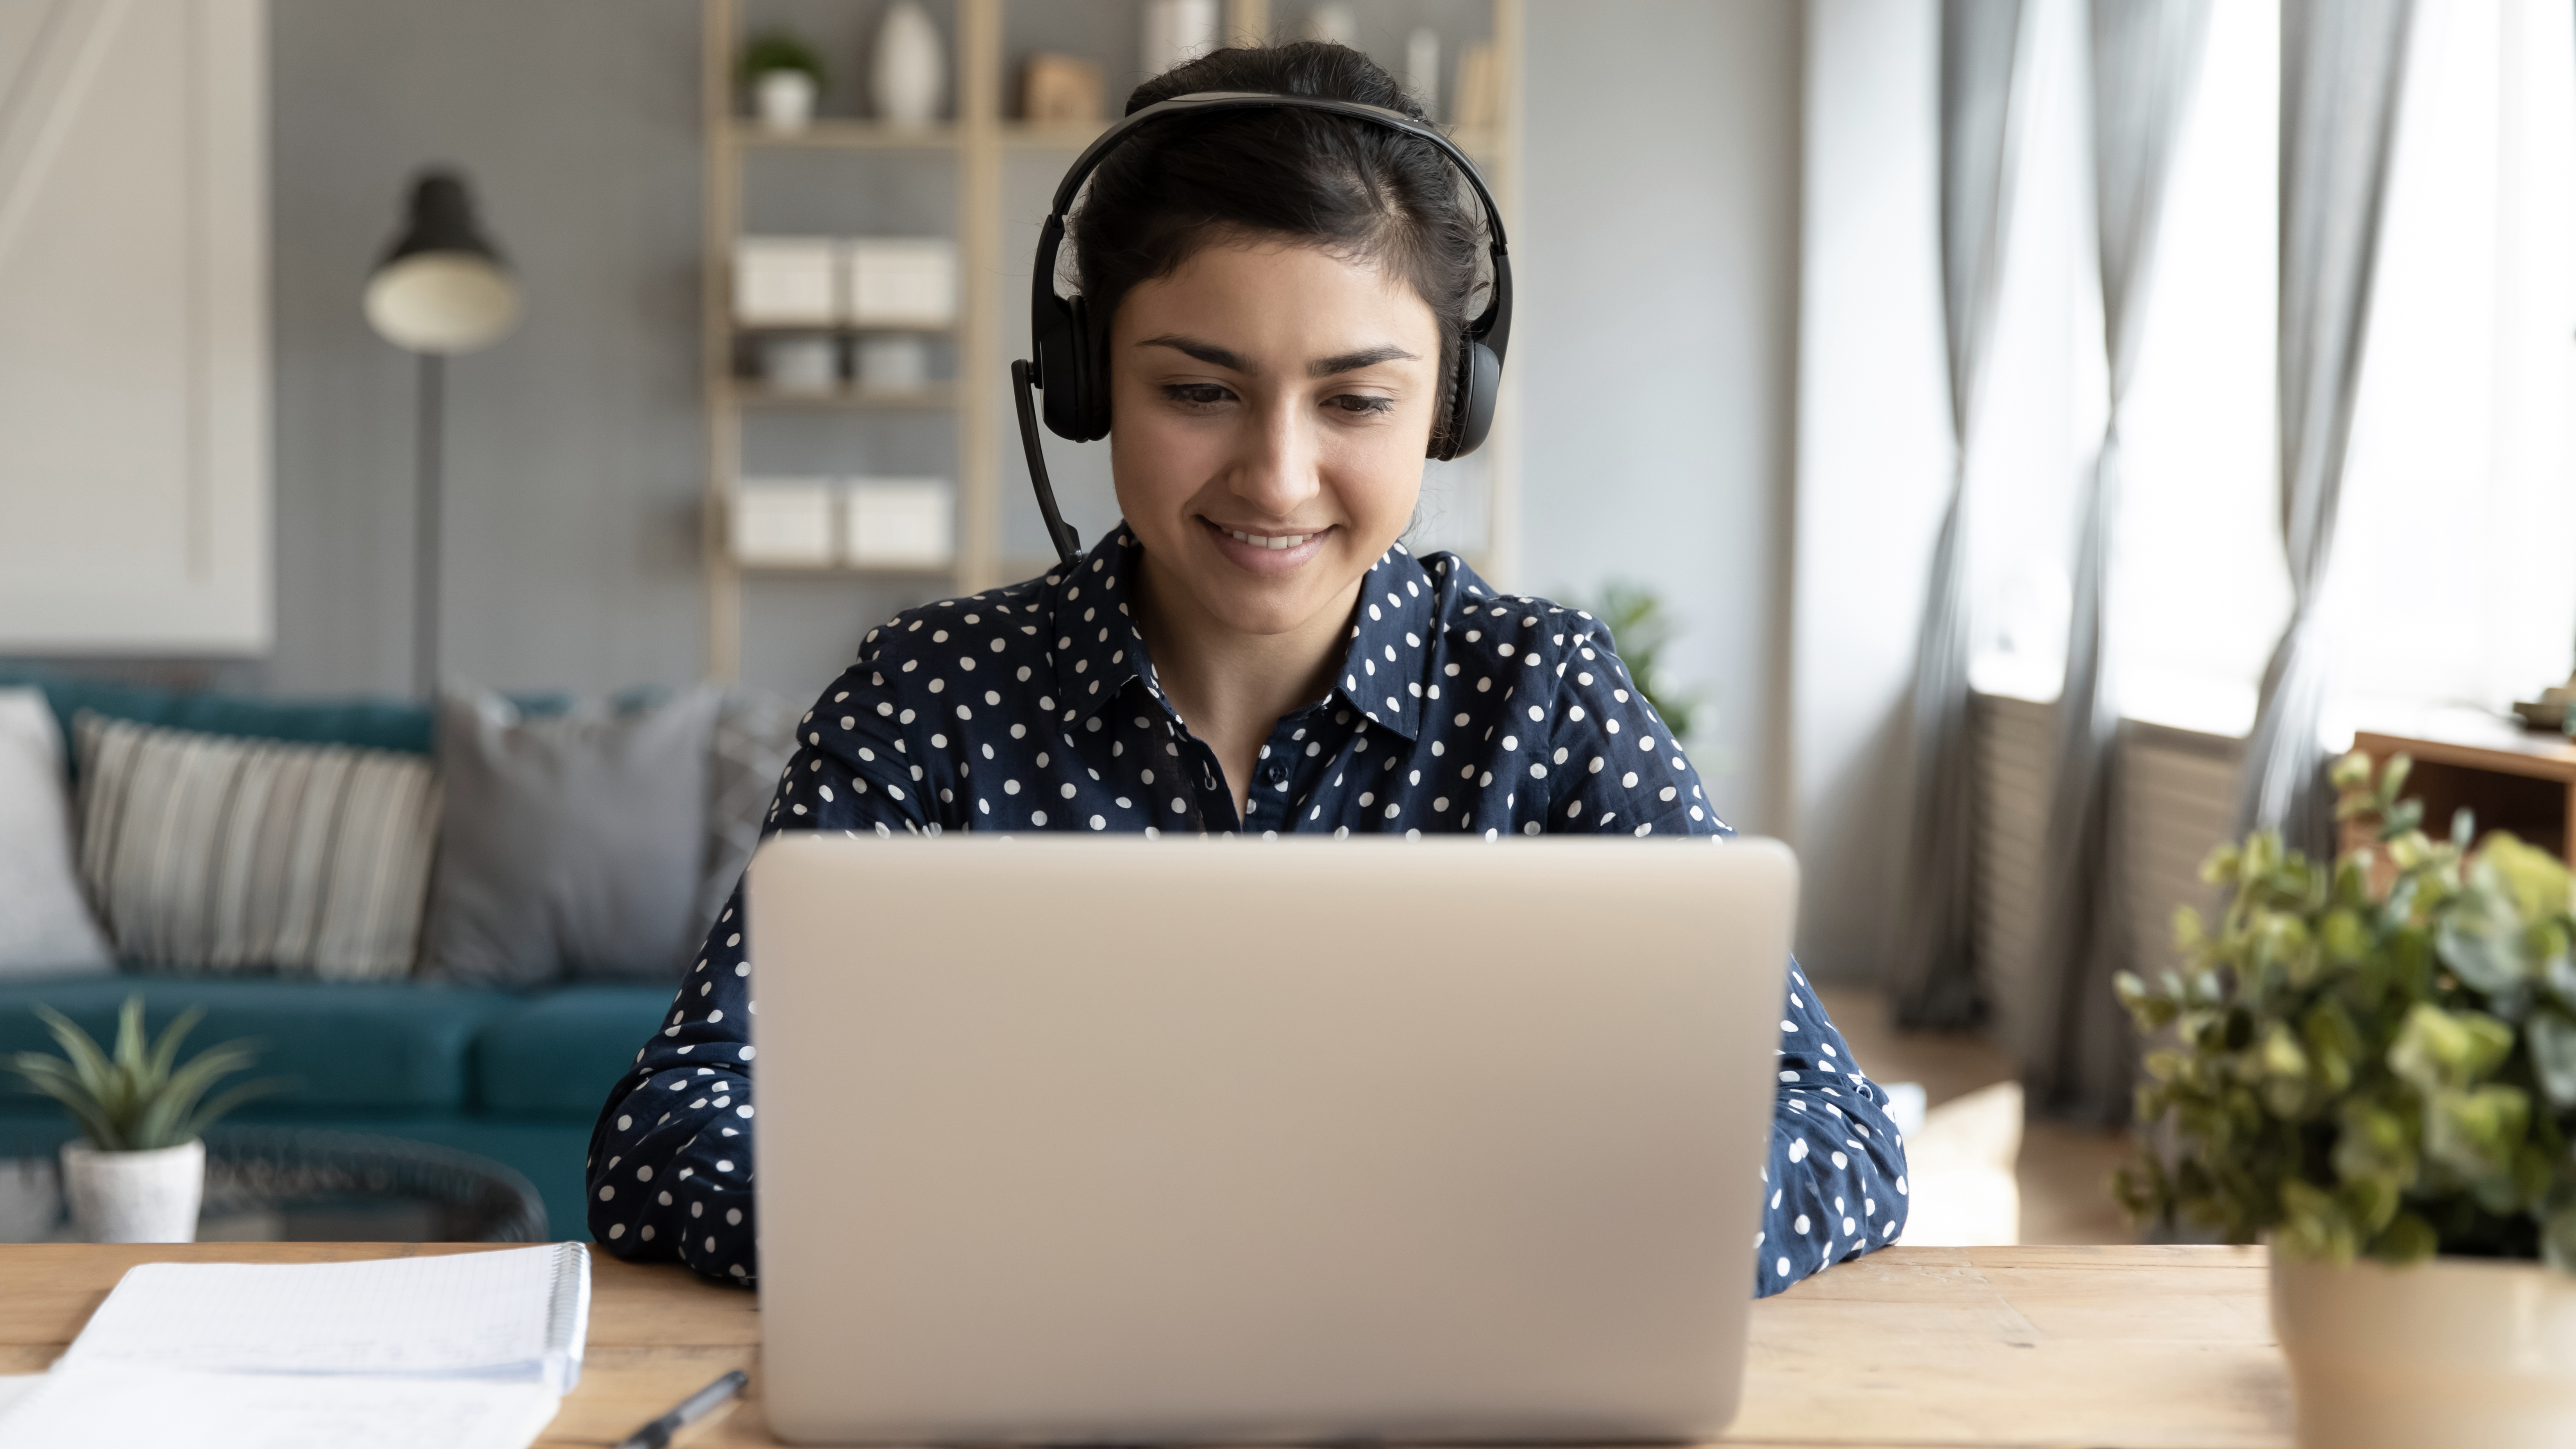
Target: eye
[1361, 403]
[1197, 394]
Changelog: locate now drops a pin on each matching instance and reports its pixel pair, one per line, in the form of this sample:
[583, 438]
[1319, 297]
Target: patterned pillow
[215, 853]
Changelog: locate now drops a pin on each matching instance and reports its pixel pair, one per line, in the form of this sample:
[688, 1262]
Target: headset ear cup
[1093, 389]
[1471, 401]
[1059, 348]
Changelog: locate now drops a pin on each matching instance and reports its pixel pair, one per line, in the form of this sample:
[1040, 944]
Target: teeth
[1280, 541]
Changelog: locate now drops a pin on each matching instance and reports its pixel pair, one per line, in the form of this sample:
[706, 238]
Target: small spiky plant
[140, 1098]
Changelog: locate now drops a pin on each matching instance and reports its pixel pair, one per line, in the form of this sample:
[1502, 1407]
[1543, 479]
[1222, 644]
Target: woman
[1251, 649]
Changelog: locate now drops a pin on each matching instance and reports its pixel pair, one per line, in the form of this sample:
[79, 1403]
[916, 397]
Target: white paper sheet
[115, 1407]
[515, 1314]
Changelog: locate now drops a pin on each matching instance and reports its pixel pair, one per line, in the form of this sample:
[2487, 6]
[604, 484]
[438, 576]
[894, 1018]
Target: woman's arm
[1835, 1186]
[670, 1166]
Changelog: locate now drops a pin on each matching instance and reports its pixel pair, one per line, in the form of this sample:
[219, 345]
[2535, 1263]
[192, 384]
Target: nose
[1276, 470]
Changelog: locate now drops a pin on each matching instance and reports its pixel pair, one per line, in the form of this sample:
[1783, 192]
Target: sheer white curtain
[2455, 572]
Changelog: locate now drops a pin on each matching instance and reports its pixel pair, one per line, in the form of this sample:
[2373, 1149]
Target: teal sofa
[514, 1076]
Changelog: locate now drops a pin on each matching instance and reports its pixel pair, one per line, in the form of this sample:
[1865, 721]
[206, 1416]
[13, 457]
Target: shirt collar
[1394, 634]
[1098, 647]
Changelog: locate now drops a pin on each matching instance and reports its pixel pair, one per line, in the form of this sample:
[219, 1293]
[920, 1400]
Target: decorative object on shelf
[1060, 90]
[784, 523]
[2550, 711]
[2377, 1060]
[1177, 31]
[901, 282]
[441, 288]
[1422, 68]
[901, 523]
[801, 364]
[1478, 103]
[139, 1171]
[784, 74]
[893, 362]
[909, 76]
[786, 281]
[1334, 22]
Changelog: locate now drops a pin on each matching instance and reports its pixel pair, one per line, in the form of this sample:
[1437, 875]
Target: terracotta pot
[135, 1197]
[2475, 1351]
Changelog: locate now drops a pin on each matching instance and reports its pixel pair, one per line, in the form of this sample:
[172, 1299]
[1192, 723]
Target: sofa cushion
[206, 852]
[45, 924]
[559, 1053]
[570, 848]
[354, 1047]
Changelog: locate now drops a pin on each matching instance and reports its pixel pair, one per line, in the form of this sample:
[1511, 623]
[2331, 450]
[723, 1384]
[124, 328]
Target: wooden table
[2167, 1347]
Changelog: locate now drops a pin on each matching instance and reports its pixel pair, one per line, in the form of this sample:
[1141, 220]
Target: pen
[693, 1408]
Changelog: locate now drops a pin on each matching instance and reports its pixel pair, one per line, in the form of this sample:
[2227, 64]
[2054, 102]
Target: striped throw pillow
[214, 853]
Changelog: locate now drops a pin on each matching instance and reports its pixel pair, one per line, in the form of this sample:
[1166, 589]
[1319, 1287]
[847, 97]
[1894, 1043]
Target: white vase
[910, 72]
[786, 100]
[2475, 1351]
[135, 1197]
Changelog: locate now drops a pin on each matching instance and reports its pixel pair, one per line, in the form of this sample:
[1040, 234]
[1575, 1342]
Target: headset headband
[1077, 402]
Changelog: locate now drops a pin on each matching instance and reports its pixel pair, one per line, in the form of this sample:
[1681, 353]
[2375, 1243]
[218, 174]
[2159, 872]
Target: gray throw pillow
[572, 846]
[754, 736]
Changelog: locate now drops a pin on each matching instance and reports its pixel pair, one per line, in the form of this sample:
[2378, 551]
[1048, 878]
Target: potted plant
[784, 74]
[2373, 1066]
[140, 1171]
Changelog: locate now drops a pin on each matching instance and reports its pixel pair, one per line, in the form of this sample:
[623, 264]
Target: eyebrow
[1215, 356]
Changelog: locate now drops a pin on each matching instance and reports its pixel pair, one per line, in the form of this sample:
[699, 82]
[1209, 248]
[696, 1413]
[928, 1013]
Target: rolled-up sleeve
[1835, 1185]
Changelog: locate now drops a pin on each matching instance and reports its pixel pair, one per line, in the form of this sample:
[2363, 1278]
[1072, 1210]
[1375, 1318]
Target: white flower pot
[2476, 1351]
[786, 100]
[910, 72]
[135, 1197]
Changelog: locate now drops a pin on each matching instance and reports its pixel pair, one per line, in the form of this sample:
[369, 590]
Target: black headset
[1068, 359]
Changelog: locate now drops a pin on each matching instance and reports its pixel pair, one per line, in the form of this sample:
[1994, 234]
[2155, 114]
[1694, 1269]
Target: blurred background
[1812, 360]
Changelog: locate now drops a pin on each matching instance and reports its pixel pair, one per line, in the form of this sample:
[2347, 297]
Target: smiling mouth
[1277, 542]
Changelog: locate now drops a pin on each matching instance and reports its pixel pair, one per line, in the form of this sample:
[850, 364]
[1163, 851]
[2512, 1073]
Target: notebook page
[118, 1407]
[519, 1313]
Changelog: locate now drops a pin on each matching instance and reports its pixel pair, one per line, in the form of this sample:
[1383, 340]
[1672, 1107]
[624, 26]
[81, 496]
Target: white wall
[1873, 452]
[1655, 343]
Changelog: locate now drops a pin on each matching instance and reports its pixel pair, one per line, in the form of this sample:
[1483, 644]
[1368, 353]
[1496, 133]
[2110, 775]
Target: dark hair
[1361, 191]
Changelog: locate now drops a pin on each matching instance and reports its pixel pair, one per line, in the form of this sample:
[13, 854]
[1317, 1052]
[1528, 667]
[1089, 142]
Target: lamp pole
[426, 524]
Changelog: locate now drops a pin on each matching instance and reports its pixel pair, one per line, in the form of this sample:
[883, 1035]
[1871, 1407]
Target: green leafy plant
[140, 1097]
[2377, 1059]
[1639, 630]
[776, 50]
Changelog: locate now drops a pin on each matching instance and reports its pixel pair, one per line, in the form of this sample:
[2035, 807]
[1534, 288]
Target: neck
[1229, 685]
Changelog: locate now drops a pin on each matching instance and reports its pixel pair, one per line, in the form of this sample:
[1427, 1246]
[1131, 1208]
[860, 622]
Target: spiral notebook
[456, 1351]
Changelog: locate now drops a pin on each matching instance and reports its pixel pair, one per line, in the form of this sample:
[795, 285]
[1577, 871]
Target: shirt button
[1275, 775]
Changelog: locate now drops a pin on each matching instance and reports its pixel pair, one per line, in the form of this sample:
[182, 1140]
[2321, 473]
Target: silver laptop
[1118, 1140]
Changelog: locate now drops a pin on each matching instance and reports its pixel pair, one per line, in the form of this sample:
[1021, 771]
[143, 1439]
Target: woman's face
[1270, 405]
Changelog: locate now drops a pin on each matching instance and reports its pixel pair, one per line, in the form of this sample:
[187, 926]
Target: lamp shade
[442, 286]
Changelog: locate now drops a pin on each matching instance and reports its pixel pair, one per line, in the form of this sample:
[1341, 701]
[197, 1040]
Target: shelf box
[783, 523]
[786, 281]
[901, 282]
[900, 523]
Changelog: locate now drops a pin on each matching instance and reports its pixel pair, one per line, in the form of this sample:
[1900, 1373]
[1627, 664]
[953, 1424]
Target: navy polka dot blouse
[1034, 707]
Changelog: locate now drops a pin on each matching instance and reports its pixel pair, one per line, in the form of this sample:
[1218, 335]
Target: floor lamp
[442, 288]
